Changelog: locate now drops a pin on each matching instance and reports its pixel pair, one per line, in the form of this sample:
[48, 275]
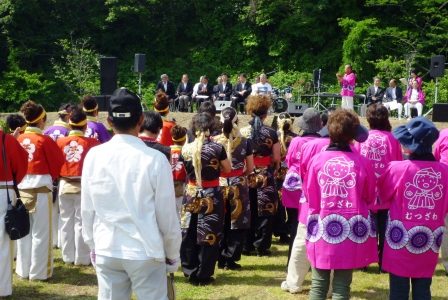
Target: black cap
[124, 104]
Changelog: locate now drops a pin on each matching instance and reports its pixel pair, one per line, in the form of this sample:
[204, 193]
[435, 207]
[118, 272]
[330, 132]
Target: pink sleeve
[291, 154]
[398, 155]
[369, 192]
[386, 190]
[311, 185]
[437, 149]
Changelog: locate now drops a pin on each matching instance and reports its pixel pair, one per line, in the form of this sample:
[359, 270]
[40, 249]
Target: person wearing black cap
[415, 193]
[128, 209]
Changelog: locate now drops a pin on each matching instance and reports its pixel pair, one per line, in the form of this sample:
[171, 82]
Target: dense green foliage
[49, 49]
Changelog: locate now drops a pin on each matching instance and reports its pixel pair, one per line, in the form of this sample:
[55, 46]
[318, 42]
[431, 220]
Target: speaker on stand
[139, 67]
[437, 69]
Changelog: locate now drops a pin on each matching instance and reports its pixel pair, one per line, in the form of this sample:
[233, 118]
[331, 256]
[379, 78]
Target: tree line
[49, 49]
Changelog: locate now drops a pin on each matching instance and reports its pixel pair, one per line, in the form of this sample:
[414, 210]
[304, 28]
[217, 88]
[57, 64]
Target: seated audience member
[241, 91]
[414, 98]
[224, 88]
[205, 91]
[216, 88]
[415, 192]
[184, 92]
[166, 86]
[393, 97]
[339, 189]
[16, 124]
[150, 130]
[375, 93]
[262, 87]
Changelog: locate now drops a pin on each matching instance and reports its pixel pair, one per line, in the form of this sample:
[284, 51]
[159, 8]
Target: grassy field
[260, 278]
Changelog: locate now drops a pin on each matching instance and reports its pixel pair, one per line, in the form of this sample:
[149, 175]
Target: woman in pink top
[380, 148]
[416, 192]
[441, 147]
[339, 189]
[348, 84]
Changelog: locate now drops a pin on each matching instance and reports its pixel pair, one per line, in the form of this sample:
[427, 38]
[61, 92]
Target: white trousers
[34, 252]
[444, 247]
[394, 105]
[408, 106]
[74, 250]
[179, 205]
[347, 102]
[118, 278]
[55, 223]
[6, 249]
[298, 265]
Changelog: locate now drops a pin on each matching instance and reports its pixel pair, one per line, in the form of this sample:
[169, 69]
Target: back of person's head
[161, 103]
[178, 134]
[229, 119]
[125, 110]
[258, 105]
[342, 126]
[378, 117]
[64, 111]
[203, 122]
[14, 121]
[33, 112]
[89, 105]
[78, 119]
[285, 122]
[207, 107]
[152, 122]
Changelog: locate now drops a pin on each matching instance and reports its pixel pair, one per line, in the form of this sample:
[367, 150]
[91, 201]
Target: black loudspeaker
[139, 63]
[103, 102]
[440, 112]
[108, 75]
[296, 109]
[437, 66]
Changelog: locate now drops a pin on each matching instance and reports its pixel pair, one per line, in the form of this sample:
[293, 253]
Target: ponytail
[284, 126]
[230, 129]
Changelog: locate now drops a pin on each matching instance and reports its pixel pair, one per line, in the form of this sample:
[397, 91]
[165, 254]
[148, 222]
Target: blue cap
[418, 135]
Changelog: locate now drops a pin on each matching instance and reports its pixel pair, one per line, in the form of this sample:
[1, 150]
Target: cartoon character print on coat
[424, 190]
[73, 151]
[337, 176]
[29, 147]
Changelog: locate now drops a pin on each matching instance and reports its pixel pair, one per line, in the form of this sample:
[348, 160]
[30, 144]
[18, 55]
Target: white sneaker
[284, 286]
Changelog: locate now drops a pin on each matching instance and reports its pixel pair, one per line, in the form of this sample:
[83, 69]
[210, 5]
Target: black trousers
[260, 234]
[236, 102]
[232, 242]
[381, 224]
[197, 260]
[292, 223]
[184, 103]
[279, 227]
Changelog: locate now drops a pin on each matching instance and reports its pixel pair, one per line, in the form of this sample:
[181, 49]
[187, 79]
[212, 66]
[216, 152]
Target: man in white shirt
[393, 98]
[262, 87]
[128, 209]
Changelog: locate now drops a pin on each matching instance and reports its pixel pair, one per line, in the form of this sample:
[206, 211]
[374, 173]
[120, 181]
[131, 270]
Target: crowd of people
[153, 196]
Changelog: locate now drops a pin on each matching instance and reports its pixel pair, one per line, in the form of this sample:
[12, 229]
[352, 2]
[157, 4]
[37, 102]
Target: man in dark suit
[375, 93]
[393, 97]
[184, 92]
[167, 87]
[224, 88]
[205, 91]
[242, 90]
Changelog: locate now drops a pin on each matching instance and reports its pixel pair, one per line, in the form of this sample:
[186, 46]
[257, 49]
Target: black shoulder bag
[17, 219]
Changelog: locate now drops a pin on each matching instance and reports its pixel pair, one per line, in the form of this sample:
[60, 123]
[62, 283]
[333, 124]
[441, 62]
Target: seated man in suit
[241, 91]
[224, 88]
[393, 97]
[167, 87]
[205, 91]
[375, 93]
[184, 93]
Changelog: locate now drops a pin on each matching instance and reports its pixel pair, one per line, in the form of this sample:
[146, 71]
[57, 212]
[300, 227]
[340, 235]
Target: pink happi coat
[348, 85]
[339, 187]
[441, 147]
[309, 149]
[292, 185]
[417, 195]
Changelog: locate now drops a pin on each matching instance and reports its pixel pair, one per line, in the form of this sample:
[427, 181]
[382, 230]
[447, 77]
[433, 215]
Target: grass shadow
[32, 292]
[72, 275]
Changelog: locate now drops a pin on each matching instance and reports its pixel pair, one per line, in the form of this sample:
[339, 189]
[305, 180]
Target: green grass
[260, 278]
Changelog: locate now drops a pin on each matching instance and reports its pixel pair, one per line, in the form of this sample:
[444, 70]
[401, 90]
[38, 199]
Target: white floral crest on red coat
[336, 177]
[424, 189]
[73, 151]
[29, 147]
